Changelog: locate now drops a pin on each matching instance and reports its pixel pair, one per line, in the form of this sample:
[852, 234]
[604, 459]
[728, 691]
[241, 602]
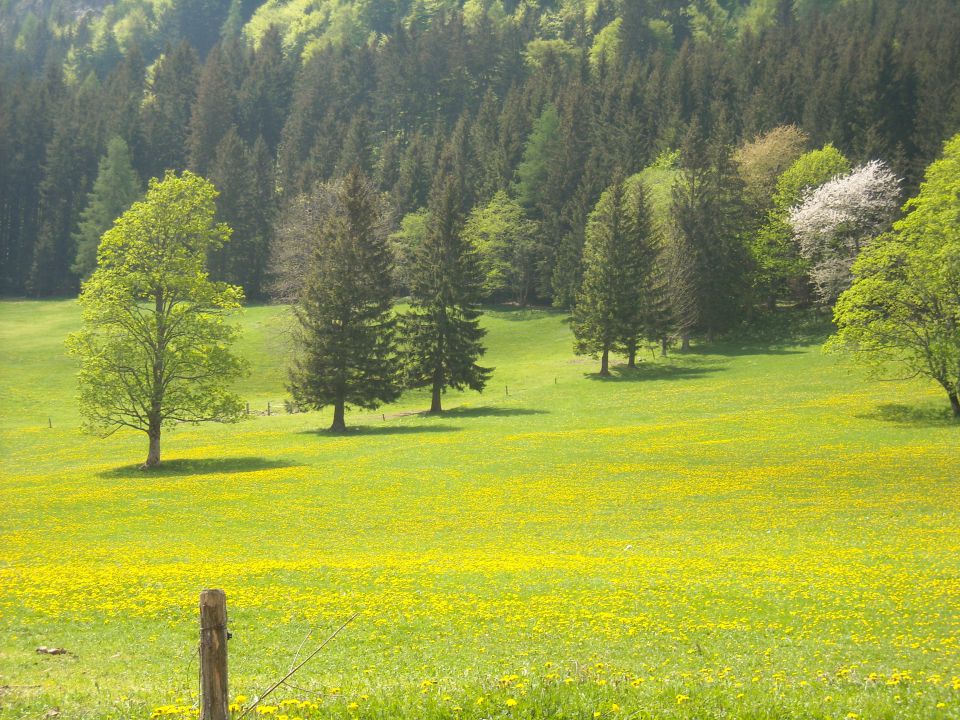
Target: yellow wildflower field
[740, 532]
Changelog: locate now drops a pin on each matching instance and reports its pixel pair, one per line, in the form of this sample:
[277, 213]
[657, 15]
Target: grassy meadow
[751, 530]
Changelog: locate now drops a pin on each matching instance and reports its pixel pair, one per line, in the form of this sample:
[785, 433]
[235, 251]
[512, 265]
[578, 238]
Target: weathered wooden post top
[214, 702]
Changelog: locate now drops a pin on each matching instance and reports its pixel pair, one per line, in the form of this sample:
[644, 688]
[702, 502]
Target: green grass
[753, 530]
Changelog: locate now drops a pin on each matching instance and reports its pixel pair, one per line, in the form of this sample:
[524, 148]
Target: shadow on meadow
[734, 349]
[375, 430]
[913, 416]
[492, 411]
[523, 312]
[692, 368]
[778, 332]
[200, 466]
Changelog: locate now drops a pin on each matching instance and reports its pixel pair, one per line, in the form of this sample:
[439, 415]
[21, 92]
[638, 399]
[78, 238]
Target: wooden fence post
[214, 703]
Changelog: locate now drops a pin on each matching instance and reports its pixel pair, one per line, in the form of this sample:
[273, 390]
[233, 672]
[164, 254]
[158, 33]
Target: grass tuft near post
[214, 702]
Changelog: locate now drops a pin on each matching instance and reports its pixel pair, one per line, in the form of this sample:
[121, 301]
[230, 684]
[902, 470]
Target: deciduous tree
[154, 349]
[506, 242]
[901, 315]
[838, 219]
[779, 268]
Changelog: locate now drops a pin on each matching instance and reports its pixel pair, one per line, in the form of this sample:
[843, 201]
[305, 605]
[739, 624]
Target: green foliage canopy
[903, 310]
[154, 349]
[506, 242]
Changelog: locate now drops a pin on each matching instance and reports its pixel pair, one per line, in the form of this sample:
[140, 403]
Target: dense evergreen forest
[536, 108]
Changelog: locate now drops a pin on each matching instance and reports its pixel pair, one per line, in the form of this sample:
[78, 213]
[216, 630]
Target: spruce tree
[69, 168]
[166, 112]
[618, 260]
[709, 220]
[116, 188]
[266, 91]
[637, 314]
[214, 112]
[346, 349]
[442, 331]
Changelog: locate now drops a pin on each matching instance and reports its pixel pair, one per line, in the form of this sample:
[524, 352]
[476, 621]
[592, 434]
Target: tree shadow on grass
[202, 466]
[730, 349]
[658, 371]
[913, 416]
[773, 333]
[523, 312]
[374, 430]
[492, 411]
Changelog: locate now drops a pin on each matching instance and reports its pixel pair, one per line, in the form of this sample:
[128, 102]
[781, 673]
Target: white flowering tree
[836, 220]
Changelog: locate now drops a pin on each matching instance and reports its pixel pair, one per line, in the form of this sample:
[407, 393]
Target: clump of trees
[541, 101]
[488, 141]
[616, 304]
[901, 315]
[353, 347]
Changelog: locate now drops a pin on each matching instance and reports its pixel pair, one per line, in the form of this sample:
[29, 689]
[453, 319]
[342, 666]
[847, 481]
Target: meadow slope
[747, 531]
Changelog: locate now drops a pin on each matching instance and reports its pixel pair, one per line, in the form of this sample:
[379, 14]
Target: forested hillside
[533, 106]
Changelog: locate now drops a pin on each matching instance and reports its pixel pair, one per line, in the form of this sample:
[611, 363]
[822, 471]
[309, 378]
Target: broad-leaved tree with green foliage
[507, 245]
[779, 268]
[901, 315]
[155, 346]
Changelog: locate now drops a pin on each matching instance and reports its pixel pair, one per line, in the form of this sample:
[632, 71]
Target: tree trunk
[435, 406]
[685, 344]
[153, 455]
[955, 404]
[663, 347]
[605, 363]
[632, 358]
[338, 422]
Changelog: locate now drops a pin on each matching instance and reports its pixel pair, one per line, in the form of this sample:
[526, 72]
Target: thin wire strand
[307, 659]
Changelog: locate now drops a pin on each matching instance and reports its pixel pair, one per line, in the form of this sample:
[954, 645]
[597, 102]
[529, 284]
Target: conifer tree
[638, 318]
[116, 188]
[532, 171]
[357, 147]
[266, 91]
[345, 337]
[708, 216]
[244, 178]
[215, 110]
[166, 112]
[618, 259]
[442, 331]
[70, 166]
